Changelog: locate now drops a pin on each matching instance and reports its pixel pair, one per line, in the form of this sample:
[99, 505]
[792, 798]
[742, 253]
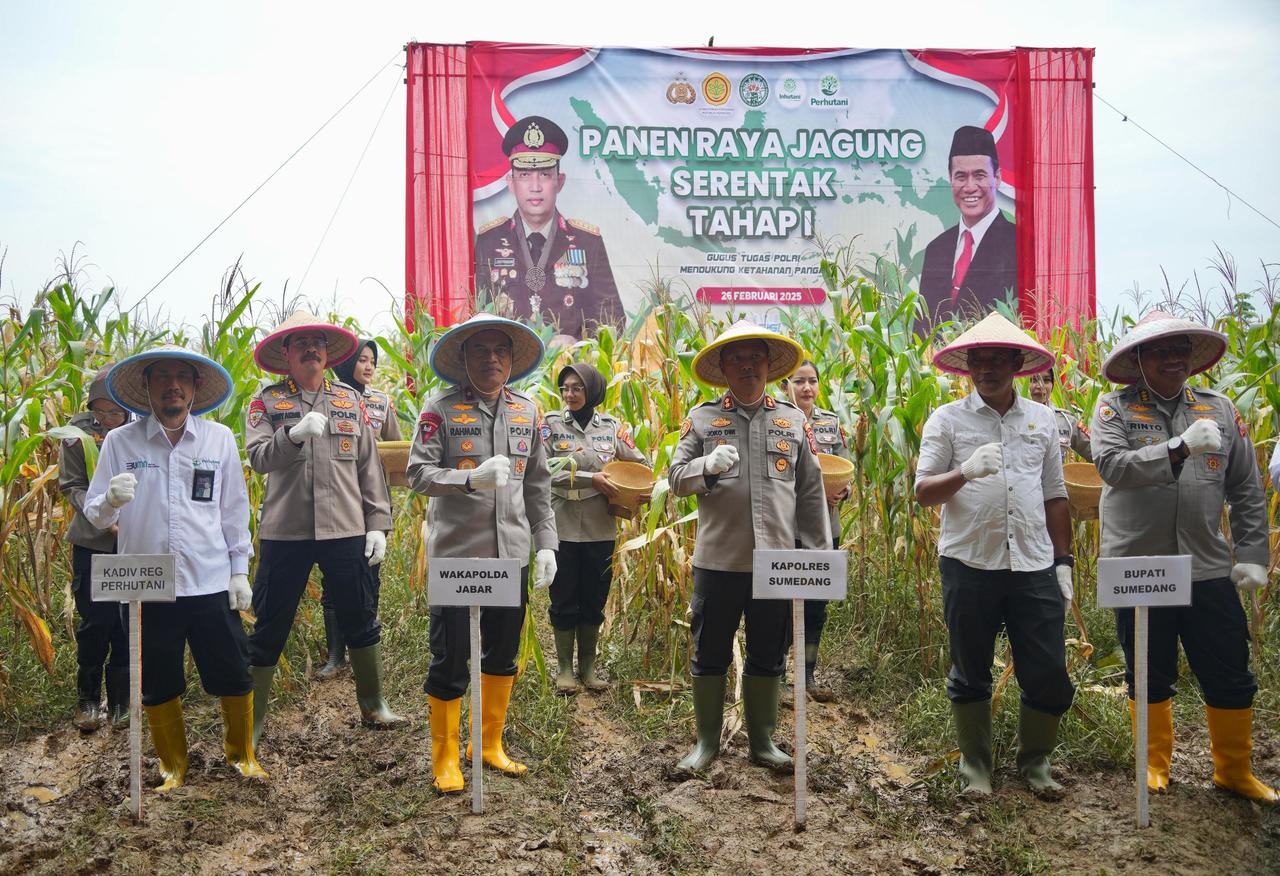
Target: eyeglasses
[1167, 351]
[110, 413]
[567, 388]
[307, 341]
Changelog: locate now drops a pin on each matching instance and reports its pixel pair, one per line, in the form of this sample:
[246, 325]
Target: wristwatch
[1065, 560]
[1178, 449]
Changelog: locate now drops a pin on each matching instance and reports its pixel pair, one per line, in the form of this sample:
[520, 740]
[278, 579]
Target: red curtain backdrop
[438, 241]
[1052, 114]
[1054, 145]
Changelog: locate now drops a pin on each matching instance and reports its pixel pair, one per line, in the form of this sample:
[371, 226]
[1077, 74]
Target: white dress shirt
[978, 231]
[209, 539]
[996, 522]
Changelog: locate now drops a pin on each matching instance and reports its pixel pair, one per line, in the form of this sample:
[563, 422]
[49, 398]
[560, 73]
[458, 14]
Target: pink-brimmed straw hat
[270, 355]
[1207, 346]
[994, 331]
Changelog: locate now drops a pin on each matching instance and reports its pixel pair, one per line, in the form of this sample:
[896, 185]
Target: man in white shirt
[991, 460]
[974, 263]
[186, 477]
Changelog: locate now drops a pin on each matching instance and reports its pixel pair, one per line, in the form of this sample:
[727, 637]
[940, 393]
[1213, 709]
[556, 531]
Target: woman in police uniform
[802, 389]
[580, 494]
[357, 373]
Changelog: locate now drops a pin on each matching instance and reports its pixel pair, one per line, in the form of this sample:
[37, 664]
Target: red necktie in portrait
[962, 266]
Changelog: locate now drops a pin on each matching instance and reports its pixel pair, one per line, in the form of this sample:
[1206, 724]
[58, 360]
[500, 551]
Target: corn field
[876, 372]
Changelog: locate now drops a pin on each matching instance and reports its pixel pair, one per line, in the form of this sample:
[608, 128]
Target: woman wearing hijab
[580, 494]
[357, 372]
[802, 389]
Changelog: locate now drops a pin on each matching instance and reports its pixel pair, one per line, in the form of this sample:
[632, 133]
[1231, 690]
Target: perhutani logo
[753, 89]
[829, 85]
[791, 92]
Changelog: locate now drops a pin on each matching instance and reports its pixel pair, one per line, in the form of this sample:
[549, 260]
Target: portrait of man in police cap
[975, 262]
[538, 260]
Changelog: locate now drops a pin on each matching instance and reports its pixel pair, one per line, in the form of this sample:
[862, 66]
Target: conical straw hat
[785, 355]
[128, 385]
[447, 360]
[993, 332]
[1207, 346]
[270, 355]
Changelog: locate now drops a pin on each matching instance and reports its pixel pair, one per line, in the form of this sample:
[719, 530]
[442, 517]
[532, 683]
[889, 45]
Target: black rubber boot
[89, 705]
[337, 657]
[118, 695]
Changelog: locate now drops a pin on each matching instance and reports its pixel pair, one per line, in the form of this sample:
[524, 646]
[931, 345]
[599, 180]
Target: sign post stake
[1141, 711]
[135, 708]
[132, 579]
[1140, 583]
[796, 576]
[801, 709]
[477, 717]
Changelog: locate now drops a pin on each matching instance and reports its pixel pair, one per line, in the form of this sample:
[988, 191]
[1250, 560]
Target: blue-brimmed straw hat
[447, 357]
[128, 384]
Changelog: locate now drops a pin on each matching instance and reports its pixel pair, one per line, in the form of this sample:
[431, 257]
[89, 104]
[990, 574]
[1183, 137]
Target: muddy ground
[344, 799]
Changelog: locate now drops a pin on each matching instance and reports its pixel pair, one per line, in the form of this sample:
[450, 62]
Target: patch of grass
[667, 838]
[1007, 848]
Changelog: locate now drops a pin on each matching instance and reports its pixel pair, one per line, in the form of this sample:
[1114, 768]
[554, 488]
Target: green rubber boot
[1037, 735]
[708, 714]
[588, 639]
[760, 695]
[973, 731]
[366, 666]
[262, 678]
[565, 682]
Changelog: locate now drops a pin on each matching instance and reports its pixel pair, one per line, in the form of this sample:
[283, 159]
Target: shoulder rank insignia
[585, 226]
[492, 224]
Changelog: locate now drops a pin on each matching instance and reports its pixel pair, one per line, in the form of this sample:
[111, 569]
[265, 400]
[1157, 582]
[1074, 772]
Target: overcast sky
[134, 127]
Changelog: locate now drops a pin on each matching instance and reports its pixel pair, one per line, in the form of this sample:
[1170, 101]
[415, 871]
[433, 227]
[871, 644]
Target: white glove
[310, 426]
[721, 459]
[986, 460]
[1064, 584]
[120, 490]
[492, 474]
[544, 568]
[1248, 576]
[375, 546]
[1202, 435]
[239, 594]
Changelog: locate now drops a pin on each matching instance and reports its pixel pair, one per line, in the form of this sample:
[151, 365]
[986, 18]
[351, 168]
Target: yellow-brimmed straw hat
[128, 385]
[447, 360]
[993, 332]
[1207, 346]
[270, 356]
[785, 355]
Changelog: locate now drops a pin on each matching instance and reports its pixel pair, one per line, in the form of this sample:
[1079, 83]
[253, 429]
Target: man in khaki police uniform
[752, 462]
[100, 629]
[326, 502]
[477, 454]
[1172, 457]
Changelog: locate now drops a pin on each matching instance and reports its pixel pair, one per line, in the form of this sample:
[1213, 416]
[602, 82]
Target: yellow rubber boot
[1231, 743]
[445, 718]
[237, 736]
[169, 736]
[495, 691]
[1159, 741]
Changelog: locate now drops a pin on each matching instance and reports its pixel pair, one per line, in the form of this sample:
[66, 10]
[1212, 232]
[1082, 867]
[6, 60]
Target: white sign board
[133, 578]
[799, 574]
[470, 581]
[1129, 582]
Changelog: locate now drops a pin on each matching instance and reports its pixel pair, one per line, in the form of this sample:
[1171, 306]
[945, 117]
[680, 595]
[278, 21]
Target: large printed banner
[592, 173]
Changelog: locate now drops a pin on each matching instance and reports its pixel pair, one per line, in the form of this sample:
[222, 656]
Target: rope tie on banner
[1125, 117]
[273, 173]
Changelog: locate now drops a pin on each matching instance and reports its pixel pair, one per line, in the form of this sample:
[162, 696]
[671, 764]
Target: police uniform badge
[1106, 412]
[257, 412]
[685, 427]
[520, 466]
[428, 424]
